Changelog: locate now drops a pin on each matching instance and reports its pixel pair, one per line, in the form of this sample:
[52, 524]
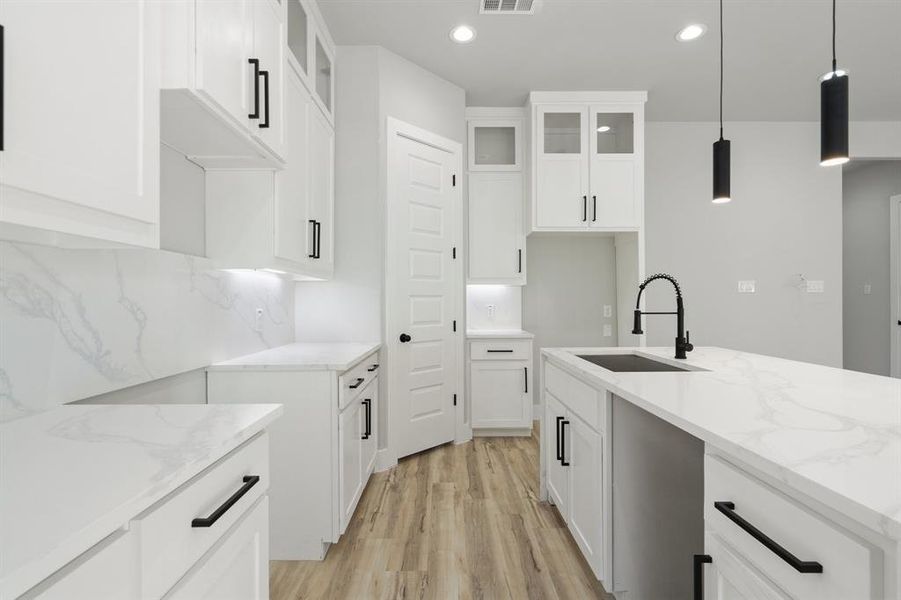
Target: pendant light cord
[833, 37]
[721, 67]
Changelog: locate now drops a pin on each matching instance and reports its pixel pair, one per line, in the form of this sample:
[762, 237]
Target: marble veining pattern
[76, 323]
[832, 434]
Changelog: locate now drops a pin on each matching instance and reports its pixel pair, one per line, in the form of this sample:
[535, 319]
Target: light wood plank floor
[453, 522]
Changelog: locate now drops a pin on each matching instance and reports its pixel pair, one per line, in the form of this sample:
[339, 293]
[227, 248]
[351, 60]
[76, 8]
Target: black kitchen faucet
[683, 344]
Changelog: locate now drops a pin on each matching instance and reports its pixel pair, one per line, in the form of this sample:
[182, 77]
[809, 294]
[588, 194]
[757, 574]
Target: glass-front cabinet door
[562, 166]
[324, 79]
[299, 38]
[615, 165]
[495, 145]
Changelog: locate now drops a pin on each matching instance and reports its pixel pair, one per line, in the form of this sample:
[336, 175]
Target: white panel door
[496, 239]
[499, 394]
[613, 201]
[269, 47]
[236, 569]
[224, 38]
[292, 230]
[557, 472]
[322, 186]
[350, 432]
[562, 170]
[81, 117]
[422, 208]
[585, 517]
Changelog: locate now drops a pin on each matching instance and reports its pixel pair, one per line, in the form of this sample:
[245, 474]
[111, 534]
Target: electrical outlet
[867, 289]
[816, 286]
[747, 286]
[492, 310]
[608, 310]
[608, 330]
[258, 320]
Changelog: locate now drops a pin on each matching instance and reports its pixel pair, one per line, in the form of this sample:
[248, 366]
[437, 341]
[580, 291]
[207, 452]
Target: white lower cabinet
[575, 478]
[209, 539]
[724, 575]
[323, 447]
[500, 381]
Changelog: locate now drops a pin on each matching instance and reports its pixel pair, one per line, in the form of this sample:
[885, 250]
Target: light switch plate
[608, 330]
[608, 310]
[867, 289]
[747, 286]
[816, 286]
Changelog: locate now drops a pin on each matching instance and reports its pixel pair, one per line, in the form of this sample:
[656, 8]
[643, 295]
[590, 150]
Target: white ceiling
[775, 51]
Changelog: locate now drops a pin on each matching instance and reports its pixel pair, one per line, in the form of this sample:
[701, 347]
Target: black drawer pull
[367, 404]
[559, 454]
[525, 374]
[801, 566]
[256, 88]
[265, 76]
[249, 482]
[699, 561]
[498, 351]
[359, 382]
[372, 368]
[563, 460]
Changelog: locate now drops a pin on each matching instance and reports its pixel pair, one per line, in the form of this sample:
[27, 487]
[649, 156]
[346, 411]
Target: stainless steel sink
[629, 363]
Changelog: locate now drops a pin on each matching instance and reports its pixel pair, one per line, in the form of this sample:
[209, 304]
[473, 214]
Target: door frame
[394, 130]
[895, 282]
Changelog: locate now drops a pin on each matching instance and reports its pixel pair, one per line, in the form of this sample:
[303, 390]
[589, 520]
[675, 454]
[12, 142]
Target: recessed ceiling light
[691, 32]
[603, 129]
[463, 34]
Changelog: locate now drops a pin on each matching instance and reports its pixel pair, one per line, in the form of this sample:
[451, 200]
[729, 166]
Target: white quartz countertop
[73, 475]
[832, 434]
[302, 356]
[491, 334]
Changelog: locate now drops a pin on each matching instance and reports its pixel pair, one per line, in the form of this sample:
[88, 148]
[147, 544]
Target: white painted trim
[395, 128]
[625, 97]
[475, 113]
[502, 432]
[384, 460]
[895, 283]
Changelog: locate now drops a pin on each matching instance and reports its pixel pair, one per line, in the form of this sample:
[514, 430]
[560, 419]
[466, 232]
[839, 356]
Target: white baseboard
[502, 432]
[384, 460]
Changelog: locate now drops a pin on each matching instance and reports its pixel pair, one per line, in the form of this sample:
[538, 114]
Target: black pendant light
[834, 112]
[721, 147]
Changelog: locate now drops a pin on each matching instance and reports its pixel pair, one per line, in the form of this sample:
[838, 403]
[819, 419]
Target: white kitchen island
[810, 456]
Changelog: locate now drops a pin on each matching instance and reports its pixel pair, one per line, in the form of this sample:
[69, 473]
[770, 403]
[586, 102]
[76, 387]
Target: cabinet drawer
[352, 381]
[170, 543]
[578, 396]
[500, 350]
[851, 568]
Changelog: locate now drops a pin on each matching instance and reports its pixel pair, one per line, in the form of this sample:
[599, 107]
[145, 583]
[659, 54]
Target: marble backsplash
[77, 323]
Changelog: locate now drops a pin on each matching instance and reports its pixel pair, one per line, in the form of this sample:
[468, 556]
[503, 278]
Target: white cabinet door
[237, 568]
[500, 396]
[81, 118]
[557, 472]
[728, 576]
[269, 48]
[496, 239]
[292, 229]
[562, 171]
[616, 153]
[224, 30]
[586, 464]
[350, 430]
[370, 417]
[322, 189]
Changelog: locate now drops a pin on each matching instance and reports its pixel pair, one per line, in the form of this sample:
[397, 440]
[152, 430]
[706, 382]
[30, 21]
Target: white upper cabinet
[588, 161]
[495, 145]
[321, 154]
[223, 81]
[81, 121]
[497, 242]
[324, 76]
[299, 38]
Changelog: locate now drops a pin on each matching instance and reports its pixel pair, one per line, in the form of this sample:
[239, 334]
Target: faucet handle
[688, 345]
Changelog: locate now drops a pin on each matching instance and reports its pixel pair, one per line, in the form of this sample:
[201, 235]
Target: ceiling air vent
[507, 7]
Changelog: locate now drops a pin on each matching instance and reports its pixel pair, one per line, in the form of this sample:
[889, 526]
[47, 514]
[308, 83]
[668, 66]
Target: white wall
[867, 317]
[571, 278]
[785, 218]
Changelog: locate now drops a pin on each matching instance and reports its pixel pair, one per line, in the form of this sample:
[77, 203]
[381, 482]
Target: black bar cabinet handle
[265, 76]
[801, 566]
[559, 457]
[525, 373]
[563, 460]
[359, 382]
[318, 239]
[373, 368]
[584, 208]
[594, 209]
[699, 561]
[366, 404]
[497, 351]
[519, 261]
[312, 253]
[249, 482]
[256, 88]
